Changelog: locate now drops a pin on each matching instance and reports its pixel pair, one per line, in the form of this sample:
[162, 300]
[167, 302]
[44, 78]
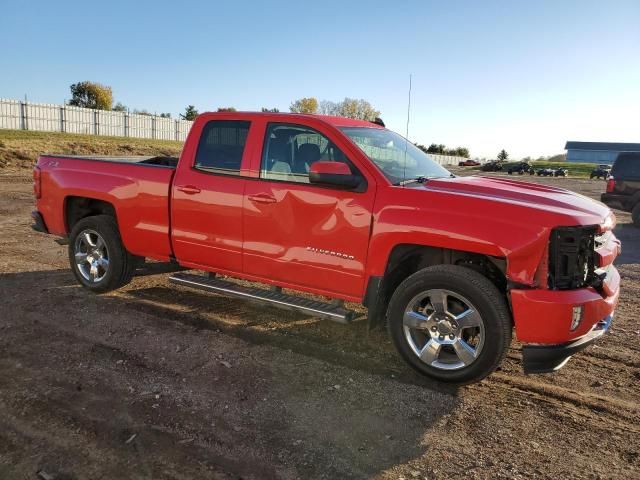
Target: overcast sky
[524, 76]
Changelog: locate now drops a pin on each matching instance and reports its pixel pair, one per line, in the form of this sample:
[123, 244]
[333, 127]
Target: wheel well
[405, 260]
[77, 208]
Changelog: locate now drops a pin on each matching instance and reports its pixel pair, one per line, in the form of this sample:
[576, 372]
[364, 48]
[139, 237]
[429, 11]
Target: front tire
[97, 256]
[450, 323]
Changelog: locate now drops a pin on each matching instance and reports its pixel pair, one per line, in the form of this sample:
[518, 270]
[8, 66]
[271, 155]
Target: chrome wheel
[91, 256]
[443, 329]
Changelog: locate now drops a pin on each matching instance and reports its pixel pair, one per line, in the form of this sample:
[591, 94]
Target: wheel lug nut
[452, 336]
[441, 337]
[433, 329]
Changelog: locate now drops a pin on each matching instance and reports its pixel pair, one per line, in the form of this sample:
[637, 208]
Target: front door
[303, 234]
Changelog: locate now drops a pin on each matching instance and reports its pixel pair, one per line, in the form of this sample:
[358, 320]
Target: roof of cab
[333, 120]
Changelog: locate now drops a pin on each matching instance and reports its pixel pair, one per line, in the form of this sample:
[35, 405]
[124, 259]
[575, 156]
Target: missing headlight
[571, 257]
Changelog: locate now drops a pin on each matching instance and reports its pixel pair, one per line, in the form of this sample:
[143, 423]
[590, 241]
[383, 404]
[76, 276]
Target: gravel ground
[157, 381]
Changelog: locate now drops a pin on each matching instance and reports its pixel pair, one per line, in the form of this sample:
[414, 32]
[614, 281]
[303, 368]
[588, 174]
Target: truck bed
[139, 196]
[158, 161]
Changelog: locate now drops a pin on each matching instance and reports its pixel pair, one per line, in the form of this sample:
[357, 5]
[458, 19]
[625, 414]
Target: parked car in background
[520, 168]
[601, 171]
[623, 185]
[552, 172]
[493, 166]
[545, 172]
[469, 163]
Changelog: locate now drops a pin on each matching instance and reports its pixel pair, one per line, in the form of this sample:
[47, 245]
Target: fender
[482, 225]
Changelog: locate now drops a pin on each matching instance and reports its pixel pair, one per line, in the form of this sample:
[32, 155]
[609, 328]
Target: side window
[290, 150]
[221, 146]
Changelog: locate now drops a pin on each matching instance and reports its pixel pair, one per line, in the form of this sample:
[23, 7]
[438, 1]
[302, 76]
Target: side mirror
[336, 174]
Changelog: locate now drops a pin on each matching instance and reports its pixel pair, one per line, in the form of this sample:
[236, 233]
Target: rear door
[302, 234]
[207, 197]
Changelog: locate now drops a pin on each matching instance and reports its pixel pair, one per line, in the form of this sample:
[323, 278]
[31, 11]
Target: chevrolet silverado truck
[349, 211]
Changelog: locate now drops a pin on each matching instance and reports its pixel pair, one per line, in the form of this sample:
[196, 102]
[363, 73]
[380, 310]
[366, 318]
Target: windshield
[387, 150]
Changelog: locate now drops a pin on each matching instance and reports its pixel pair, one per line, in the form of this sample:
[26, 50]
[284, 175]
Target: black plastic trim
[549, 358]
[38, 225]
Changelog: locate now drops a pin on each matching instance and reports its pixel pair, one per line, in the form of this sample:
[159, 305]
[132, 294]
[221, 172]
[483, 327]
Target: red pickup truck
[351, 211]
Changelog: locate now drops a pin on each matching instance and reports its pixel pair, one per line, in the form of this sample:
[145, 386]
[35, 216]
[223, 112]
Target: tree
[435, 148]
[165, 115]
[359, 109]
[269, 110]
[327, 107]
[91, 95]
[190, 113]
[459, 152]
[304, 105]
[141, 112]
[422, 147]
[227, 109]
[503, 155]
[119, 107]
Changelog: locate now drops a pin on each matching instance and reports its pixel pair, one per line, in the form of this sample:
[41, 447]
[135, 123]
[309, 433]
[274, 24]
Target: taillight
[37, 182]
[611, 184]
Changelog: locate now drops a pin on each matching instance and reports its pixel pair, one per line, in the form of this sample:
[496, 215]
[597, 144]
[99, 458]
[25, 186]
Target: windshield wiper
[418, 179]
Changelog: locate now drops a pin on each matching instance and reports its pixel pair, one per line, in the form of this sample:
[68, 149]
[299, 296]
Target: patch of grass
[19, 149]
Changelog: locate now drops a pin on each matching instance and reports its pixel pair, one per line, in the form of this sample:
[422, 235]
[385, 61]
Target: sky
[519, 75]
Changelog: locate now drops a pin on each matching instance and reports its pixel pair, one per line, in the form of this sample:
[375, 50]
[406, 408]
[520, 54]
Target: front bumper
[543, 321]
[545, 316]
[549, 358]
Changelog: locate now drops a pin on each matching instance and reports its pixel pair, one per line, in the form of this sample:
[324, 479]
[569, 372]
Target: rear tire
[473, 314]
[97, 256]
[635, 215]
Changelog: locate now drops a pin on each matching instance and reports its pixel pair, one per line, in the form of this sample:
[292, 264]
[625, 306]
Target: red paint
[331, 241]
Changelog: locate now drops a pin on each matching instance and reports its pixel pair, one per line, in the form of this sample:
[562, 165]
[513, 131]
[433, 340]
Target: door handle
[189, 189]
[262, 198]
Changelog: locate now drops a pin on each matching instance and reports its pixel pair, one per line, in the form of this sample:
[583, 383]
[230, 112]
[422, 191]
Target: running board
[275, 297]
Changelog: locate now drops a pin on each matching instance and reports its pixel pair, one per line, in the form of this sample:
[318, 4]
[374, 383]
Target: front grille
[572, 257]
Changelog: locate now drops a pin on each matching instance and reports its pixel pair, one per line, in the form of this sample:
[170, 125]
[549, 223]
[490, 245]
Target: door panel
[310, 236]
[207, 225]
[305, 234]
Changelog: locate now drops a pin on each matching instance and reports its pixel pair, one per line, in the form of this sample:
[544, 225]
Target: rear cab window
[221, 146]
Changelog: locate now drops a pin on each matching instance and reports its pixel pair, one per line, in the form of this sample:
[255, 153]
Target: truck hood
[566, 207]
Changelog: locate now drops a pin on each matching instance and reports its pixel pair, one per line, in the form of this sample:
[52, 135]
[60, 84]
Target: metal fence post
[24, 120]
[63, 119]
[153, 127]
[126, 124]
[95, 122]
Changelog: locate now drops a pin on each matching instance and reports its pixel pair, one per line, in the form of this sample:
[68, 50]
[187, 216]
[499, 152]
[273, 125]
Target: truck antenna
[406, 144]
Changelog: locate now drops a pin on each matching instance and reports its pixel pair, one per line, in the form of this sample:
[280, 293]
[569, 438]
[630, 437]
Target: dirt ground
[157, 381]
